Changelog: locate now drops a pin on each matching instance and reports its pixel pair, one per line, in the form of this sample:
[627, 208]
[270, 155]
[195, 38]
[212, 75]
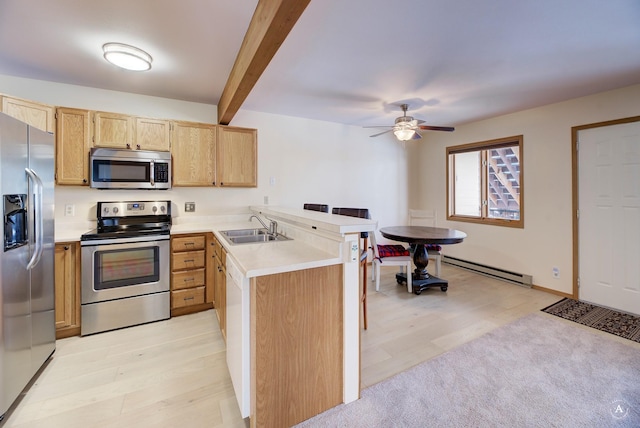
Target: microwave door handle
[152, 173]
[35, 258]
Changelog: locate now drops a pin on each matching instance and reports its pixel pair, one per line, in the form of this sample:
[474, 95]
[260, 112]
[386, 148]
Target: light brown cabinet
[67, 289]
[220, 285]
[193, 148]
[112, 130]
[35, 114]
[152, 134]
[237, 154]
[188, 274]
[73, 142]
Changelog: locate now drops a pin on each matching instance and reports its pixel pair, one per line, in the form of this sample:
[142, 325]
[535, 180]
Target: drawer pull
[189, 298]
[189, 279]
[189, 243]
[189, 261]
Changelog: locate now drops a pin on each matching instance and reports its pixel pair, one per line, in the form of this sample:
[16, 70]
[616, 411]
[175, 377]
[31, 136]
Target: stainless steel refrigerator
[27, 319]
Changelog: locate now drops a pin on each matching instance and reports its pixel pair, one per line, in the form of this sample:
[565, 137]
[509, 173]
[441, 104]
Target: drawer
[182, 298]
[188, 260]
[187, 279]
[187, 243]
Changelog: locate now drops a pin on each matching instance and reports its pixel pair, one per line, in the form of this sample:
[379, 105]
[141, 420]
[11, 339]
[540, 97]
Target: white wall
[310, 161]
[546, 240]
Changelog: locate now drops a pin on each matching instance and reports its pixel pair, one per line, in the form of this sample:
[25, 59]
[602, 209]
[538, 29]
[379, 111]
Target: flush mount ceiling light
[127, 57]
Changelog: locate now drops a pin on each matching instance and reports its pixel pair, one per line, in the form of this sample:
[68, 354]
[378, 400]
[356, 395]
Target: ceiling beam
[271, 23]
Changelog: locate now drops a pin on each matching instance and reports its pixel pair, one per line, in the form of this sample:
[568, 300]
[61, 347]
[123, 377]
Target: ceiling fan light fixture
[404, 134]
[127, 56]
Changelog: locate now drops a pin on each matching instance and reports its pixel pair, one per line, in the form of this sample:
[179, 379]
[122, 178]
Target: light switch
[69, 210]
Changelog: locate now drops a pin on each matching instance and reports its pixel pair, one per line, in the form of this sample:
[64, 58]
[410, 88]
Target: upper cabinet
[152, 134]
[122, 131]
[193, 148]
[73, 142]
[35, 114]
[112, 130]
[237, 154]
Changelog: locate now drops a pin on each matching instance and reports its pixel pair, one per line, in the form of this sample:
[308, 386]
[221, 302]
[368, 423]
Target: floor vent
[505, 275]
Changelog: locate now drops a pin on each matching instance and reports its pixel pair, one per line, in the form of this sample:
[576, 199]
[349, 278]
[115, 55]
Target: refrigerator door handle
[35, 258]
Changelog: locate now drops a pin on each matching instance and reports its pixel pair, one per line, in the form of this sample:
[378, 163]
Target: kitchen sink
[251, 236]
[244, 232]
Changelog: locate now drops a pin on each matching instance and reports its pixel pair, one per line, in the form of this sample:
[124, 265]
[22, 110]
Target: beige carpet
[535, 372]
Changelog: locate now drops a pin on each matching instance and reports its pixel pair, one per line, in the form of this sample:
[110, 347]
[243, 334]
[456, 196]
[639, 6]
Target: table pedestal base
[419, 285]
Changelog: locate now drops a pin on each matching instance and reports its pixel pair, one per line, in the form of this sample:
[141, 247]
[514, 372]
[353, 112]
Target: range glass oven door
[115, 271]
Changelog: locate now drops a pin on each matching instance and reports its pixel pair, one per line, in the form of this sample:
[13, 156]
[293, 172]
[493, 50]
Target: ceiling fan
[406, 127]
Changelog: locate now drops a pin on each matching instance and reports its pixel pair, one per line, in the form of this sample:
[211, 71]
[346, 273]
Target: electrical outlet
[69, 210]
[189, 207]
[556, 272]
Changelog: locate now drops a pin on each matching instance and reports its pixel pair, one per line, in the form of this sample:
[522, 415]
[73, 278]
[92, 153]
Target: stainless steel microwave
[129, 169]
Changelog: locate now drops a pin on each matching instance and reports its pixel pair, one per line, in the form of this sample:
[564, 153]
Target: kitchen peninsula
[292, 314]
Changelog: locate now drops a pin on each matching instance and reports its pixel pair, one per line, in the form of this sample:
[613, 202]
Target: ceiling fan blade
[416, 136]
[418, 122]
[437, 128]
[379, 126]
[380, 133]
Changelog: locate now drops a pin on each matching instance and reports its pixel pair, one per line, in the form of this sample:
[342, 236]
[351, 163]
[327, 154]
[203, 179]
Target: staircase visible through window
[485, 182]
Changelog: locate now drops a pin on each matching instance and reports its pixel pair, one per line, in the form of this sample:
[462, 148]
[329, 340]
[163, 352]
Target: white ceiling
[345, 61]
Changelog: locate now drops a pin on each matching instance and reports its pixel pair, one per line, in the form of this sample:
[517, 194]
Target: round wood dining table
[421, 236]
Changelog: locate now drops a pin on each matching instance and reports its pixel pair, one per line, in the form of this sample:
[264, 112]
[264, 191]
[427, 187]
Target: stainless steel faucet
[273, 225]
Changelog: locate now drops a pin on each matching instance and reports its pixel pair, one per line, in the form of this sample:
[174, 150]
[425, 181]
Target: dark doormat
[614, 322]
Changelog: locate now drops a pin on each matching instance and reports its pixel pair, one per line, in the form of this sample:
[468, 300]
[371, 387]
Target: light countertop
[261, 258]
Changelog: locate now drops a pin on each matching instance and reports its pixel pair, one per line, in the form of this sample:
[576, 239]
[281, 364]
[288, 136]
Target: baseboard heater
[505, 275]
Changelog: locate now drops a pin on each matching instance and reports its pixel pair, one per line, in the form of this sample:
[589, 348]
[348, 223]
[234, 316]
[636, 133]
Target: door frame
[575, 130]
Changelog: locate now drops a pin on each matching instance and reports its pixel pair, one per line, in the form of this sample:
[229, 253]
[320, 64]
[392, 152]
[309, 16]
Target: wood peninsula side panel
[296, 345]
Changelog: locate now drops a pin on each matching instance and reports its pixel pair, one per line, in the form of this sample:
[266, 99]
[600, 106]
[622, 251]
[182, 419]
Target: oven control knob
[106, 210]
[115, 210]
[162, 208]
[154, 209]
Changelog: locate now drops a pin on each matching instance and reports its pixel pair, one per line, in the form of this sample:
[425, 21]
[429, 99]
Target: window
[485, 182]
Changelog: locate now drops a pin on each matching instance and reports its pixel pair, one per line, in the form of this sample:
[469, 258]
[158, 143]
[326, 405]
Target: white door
[609, 222]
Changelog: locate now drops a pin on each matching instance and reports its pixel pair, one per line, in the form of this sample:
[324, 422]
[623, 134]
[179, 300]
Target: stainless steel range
[125, 266]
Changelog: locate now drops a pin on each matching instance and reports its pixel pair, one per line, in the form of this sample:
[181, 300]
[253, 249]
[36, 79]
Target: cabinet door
[193, 148]
[221, 296]
[35, 114]
[67, 290]
[112, 130]
[237, 157]
[152, 134]
[73, 142]
[210, 264]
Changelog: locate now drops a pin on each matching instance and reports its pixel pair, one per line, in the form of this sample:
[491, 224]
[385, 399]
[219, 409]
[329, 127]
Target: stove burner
[131, 219]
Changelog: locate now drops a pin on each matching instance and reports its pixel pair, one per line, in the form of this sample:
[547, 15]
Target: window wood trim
[484, 146]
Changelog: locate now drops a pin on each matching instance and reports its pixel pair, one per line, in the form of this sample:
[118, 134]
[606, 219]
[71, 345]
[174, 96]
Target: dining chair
[317, 207]
[364, 236]
[390, 255]
[427, 218]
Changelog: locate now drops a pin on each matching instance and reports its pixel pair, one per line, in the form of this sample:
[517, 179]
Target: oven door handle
[152, 174]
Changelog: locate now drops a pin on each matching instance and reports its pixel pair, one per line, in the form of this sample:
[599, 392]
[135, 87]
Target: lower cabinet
[67, 289]
[188, 274]
[220, 287]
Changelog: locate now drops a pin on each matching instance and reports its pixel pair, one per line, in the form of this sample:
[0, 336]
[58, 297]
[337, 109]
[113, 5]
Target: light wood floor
[173, 373]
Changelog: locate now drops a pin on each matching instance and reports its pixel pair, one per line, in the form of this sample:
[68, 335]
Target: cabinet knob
[128, 146]
[138, 146]
[84, 180]
[66, 247]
